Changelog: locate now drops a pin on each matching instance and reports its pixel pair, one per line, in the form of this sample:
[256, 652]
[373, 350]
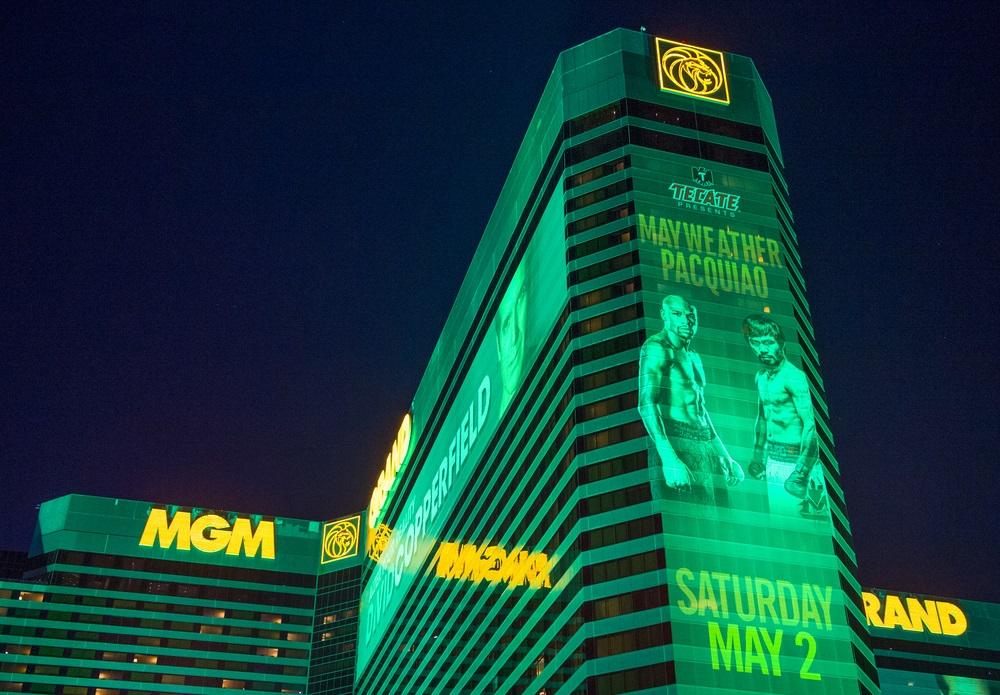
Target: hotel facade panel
[616, 475]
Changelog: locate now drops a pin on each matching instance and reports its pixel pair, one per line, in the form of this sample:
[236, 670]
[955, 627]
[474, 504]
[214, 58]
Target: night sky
[231, 237]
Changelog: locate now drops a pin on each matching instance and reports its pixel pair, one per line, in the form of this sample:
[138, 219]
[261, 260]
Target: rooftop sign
[692, 71]
[914, 614]
[209, 533]
[340, 539]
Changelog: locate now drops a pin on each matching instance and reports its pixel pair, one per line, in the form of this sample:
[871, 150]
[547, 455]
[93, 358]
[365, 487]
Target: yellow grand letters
[915, 615]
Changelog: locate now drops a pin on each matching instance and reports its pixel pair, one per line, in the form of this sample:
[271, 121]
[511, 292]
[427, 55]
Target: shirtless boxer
[785, 449]
[672, 406]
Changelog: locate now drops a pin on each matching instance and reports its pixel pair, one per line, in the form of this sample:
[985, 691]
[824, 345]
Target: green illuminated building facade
[112, 604]
[616, 475]
[627, 391]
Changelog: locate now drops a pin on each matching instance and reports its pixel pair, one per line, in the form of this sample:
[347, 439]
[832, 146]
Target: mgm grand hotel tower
[617, 474]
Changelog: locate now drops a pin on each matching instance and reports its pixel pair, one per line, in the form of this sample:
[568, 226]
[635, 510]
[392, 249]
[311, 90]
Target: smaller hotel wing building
[120, 596]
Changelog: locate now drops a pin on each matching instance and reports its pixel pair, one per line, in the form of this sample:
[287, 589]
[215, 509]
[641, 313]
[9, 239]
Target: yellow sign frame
[692, 71]
[344, 528]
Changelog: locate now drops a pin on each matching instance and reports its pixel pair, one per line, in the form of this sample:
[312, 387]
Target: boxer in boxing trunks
[672, 406]
[785, 448]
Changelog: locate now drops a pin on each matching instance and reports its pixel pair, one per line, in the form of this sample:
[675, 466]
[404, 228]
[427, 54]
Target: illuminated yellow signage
[209, 533]
[393, 464]
[493, 564]
[914, 615]
[692, 71]
[340, 539]
[378, 541]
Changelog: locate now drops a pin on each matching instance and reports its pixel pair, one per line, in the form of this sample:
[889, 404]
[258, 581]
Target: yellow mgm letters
[209, 533]
[493, 564]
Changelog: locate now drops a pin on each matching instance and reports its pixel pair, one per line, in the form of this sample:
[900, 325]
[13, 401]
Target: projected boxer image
[961, 685]
[785, 450]
[510, 329]
[672, 407]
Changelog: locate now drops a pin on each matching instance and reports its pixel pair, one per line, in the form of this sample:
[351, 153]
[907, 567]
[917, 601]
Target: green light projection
[509, 328]
[525, 314]
[756, 600]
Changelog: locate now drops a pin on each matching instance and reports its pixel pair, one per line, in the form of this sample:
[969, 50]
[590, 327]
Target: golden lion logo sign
[340, 539]
[692, 71]
[379, 541]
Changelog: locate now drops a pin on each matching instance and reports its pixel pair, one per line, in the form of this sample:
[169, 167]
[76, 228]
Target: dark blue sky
[231, 237]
